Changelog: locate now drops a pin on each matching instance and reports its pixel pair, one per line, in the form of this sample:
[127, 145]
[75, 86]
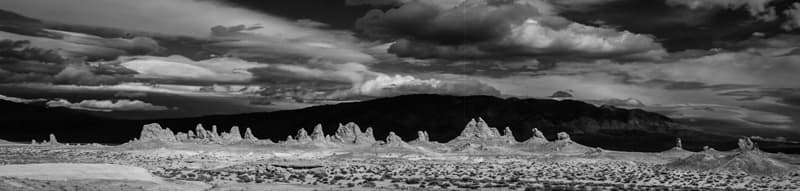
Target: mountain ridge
[440, 116]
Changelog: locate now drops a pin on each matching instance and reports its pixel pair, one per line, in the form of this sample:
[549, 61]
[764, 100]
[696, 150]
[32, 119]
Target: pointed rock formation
[351, 134]
[318, 135]
[509, 135]
[479, 130]
[201, 132]
[191, 134]
[537, 138]
[248, 135]
[153, 132]
[232, 136]
[302, 136]
[289, 139]
[214, 133]
[366, 138]
[53, 139]
[395, 141]
[678, 145]
[33, 142]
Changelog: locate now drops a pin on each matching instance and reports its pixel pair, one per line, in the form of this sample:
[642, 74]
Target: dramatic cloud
[182, 68]
[241, 30]
[384, 85]
[106, 105]
[480, 29]
[757, 8]
[793, 14]
[20, 100]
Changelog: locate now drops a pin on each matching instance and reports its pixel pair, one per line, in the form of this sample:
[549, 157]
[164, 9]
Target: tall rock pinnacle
[478, 129]
[248, 135]
[53, 139]
[318, 135]
[422, 136]
[232, 136]
[302, 136]
[509, 135]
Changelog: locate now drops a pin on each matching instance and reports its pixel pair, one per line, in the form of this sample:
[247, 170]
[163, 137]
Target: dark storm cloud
[691, 24]
[460, 25]
[757, 8]
[21, 63]
[498, 30]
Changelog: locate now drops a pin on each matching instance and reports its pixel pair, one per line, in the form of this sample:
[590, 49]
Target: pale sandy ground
[87, 177]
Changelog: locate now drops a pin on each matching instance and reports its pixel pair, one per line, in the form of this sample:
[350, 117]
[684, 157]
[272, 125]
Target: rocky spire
[201, 132]
[365, 138]
[191, 134]
[678, 143]
[395, 141]
[214, 133]
[538, 137]
[231, 136]
[318, 135]
[508, 134]
[485, 130]
[746, 145]
[351, 134]
[53, 139]
[302, 136]
[347, 133]
[33, 142]
[151, 132]
[478, 129]
[422, 136]
[248, 135]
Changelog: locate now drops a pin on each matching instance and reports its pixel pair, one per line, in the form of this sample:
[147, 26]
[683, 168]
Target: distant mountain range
[443, 117]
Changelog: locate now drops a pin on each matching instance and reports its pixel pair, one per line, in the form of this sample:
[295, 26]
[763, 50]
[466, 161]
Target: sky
[722, 65]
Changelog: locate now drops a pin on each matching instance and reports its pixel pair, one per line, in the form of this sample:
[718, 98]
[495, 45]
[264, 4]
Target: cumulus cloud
[499, 30]
[385, 85]
[106, 105]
